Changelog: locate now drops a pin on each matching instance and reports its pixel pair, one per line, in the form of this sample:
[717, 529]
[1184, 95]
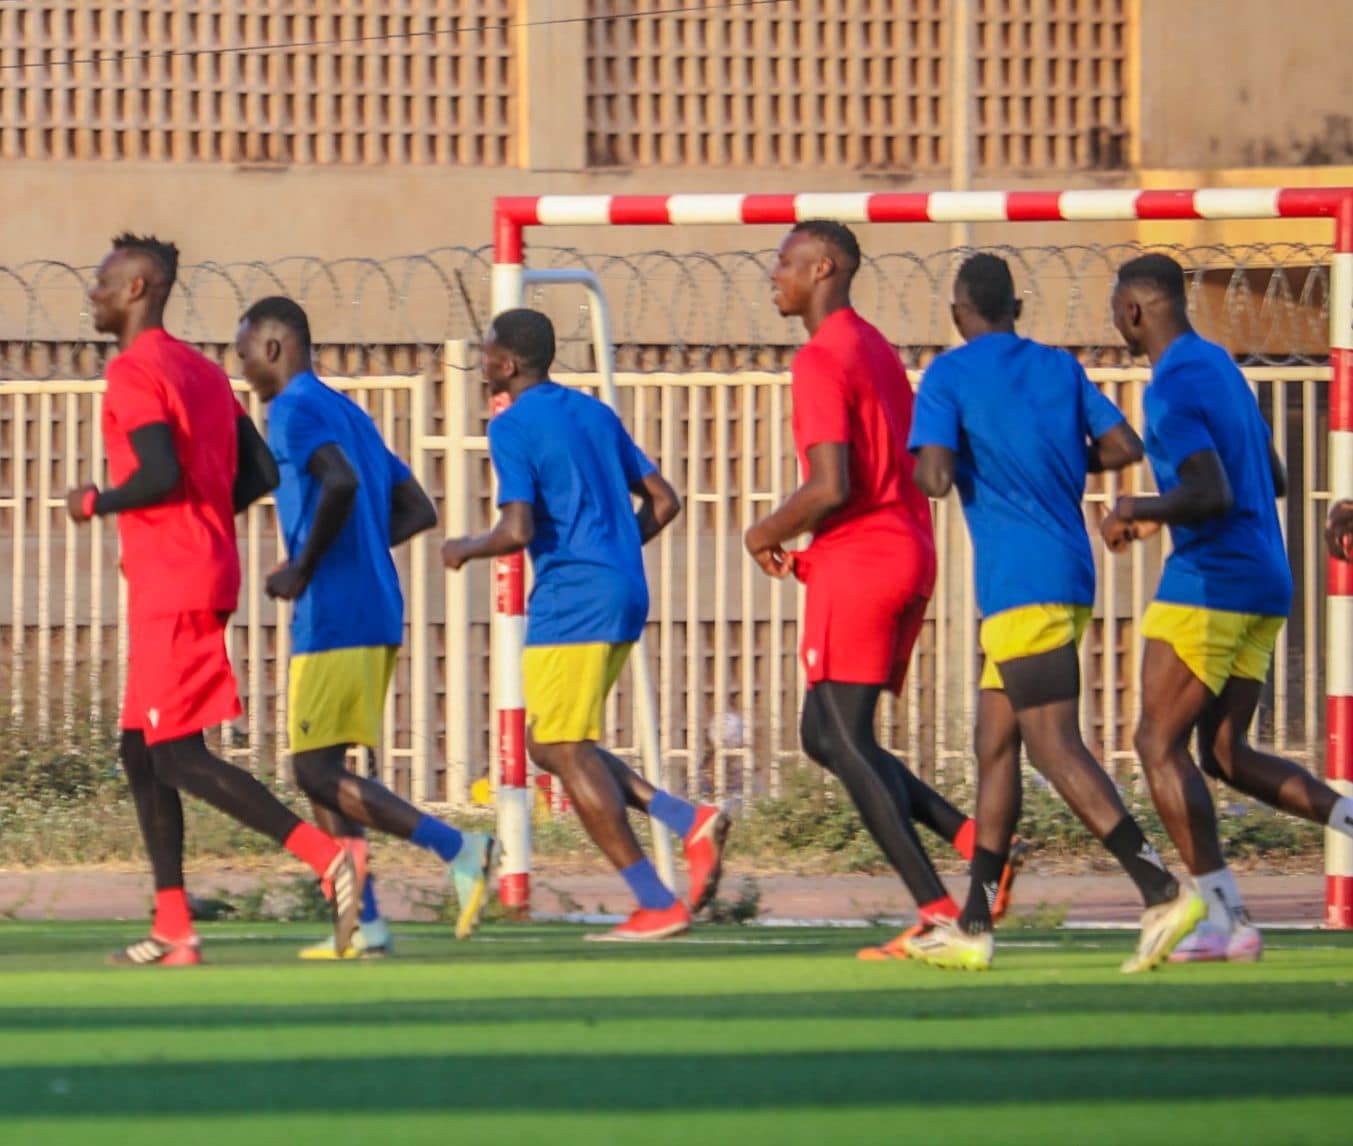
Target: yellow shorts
[1214, 643]
[566, 686]
[1026, 631]
[338, 697]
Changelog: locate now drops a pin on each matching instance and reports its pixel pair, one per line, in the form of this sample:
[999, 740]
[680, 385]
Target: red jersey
[850, 386]
[179, 555]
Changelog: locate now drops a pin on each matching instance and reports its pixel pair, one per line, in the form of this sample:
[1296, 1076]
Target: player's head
[1149, 301]
[818, 258]
[518, 349]
[273, 344]
[132, 283]
[984, 297]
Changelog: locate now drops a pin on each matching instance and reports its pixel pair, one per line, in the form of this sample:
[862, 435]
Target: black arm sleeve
[338, 485]
[157, 472]
[256, 471]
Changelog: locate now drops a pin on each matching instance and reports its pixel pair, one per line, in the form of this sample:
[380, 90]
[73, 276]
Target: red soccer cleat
[648, 924]
[152, 951]
[704, 846]
[342, 886]
[1014, 861]
[894, 948]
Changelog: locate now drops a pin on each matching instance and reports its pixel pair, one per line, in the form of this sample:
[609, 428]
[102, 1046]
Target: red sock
[173, 920]
[966, 840]
[309, 844]
[938, 909]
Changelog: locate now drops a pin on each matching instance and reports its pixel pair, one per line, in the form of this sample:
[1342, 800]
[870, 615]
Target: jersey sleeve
[633, 461]
[299, 432]
[135, 397]
[511, 458]
[935, 418]
[1175, 419]
[399, 470]
[821, 403]
[1100, 414]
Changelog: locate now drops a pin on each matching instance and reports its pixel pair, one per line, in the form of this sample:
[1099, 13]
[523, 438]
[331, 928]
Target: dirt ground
[404, 892]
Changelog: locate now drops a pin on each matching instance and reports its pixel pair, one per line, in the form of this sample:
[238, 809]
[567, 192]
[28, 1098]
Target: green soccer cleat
[1163, 928]
[945, 946]
[370, 941]
[469, 874]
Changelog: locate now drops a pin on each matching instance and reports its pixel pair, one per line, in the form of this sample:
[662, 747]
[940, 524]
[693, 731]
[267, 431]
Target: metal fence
[722, 638]
[671, 310]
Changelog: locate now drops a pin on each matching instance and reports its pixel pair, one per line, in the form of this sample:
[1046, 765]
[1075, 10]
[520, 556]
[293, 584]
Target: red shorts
[864, 611]
[179, 679]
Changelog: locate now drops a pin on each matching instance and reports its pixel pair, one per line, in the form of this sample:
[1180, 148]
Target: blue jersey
[1199, 400]
[567, 456]
[1019, 417]
[353, 600]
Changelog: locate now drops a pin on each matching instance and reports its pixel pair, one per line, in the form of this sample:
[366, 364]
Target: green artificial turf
[735, 1035]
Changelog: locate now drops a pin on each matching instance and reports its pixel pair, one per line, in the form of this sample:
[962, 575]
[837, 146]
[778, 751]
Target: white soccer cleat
[369, 941]
[469, 874]
[1210, 944]
[1164, 927]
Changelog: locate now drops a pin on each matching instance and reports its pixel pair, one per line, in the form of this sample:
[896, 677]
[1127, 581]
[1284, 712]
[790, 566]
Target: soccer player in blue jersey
[1224, 594]
[568, 479]
[344, 502]
[1015, 426]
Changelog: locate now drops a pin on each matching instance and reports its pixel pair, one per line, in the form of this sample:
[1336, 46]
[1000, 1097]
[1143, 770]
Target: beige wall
[1245, 83]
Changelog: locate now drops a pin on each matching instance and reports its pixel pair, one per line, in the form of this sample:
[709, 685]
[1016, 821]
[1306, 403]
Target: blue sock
[370, 912]
[437, 837]
[648, 889]
[672, 812]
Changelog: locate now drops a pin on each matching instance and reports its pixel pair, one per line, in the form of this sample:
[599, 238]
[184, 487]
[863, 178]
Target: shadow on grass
[466, 1082]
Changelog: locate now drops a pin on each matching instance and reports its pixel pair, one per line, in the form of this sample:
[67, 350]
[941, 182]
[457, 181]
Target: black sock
[1142, 862]
[986, 881]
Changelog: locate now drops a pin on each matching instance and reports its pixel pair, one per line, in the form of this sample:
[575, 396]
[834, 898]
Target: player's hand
[1339, 530]
[1117, 533]
[75, 502]
[286, 582]
[455, 552]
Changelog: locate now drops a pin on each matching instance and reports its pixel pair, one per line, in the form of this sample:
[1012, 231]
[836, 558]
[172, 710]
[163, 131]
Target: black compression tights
[838, 732]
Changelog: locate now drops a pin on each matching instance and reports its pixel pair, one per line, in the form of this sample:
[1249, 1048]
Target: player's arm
[1203, 492]
[256, 473]
[659, 505]
[513, 532]
[934, 473]
[411, 511]
[154, 479]
[1115, 449]
[337, 484]
[825, 491]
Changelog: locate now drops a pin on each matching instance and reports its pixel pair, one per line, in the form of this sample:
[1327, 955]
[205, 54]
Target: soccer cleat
[647, 924]
[895, 948]
[369, 941]
[1014, 861]
[342, 886]
[152, 951]
[944, 945]
[469, 873]
[1210, 944]
[1163, 927]
[704, 845]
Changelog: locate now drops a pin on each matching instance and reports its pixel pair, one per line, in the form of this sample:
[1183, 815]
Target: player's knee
[814, 737]
[312, 771]
[1152, 742]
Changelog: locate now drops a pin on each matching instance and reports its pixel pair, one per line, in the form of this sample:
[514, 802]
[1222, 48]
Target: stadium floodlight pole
[512, 214]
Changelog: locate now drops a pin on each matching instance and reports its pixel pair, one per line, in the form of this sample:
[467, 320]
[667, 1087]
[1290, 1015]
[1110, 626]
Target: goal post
[513, 214]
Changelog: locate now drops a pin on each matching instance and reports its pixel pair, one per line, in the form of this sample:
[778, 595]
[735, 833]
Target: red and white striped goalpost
[512, 215]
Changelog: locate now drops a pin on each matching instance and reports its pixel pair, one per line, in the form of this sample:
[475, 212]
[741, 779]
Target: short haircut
[529, 335]
[277, 308]
[165, 254]
[990, 286]
[1155, 270]
[836, 235]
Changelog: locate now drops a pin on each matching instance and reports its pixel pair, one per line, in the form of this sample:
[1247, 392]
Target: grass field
[738, 1036]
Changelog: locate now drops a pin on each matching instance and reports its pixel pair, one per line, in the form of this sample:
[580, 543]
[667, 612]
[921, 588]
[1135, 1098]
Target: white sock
[1225, 908]
[1341, 819]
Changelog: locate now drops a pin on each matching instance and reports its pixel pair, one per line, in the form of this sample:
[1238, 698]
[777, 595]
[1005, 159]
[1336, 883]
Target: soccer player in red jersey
[870, 568]
[184, 458]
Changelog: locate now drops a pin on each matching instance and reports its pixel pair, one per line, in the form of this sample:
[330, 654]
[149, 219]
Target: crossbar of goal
[514, 214]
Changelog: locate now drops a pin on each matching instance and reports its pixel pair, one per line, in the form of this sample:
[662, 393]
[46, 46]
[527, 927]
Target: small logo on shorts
[812, 658]
[305, 726]
[154, 715]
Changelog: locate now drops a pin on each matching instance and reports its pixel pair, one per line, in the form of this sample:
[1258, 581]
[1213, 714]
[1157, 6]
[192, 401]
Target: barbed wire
[1268, 303]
